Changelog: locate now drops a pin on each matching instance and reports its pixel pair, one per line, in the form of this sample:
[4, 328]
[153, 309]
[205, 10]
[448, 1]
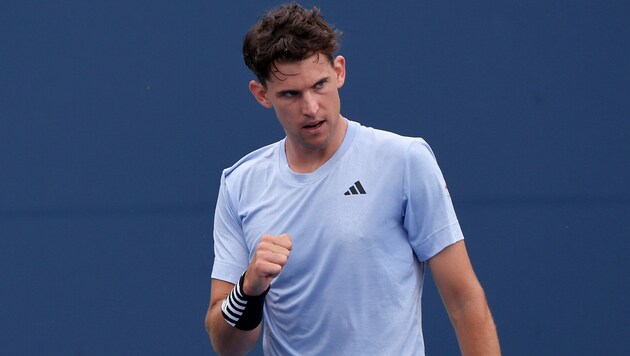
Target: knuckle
[260, 252]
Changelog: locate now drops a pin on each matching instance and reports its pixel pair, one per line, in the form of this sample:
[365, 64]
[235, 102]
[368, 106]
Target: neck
[305, 160]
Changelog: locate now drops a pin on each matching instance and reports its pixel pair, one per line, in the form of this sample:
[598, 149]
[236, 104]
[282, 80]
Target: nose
[309, 104]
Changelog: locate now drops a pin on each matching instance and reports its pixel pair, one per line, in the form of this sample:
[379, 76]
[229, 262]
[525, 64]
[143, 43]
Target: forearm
[227, 340]
[474, 326]
[244, 301]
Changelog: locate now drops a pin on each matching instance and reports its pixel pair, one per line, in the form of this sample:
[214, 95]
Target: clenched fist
[269, 258]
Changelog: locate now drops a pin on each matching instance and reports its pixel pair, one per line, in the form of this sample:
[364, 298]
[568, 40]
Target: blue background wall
[116, 118]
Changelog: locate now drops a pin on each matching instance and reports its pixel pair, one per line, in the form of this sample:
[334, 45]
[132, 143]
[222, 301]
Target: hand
[270, 257]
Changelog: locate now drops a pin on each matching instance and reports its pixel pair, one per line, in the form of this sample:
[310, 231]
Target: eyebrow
[287, 91]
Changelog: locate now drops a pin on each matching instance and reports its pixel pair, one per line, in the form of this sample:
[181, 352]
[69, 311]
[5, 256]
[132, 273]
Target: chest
[356, 210]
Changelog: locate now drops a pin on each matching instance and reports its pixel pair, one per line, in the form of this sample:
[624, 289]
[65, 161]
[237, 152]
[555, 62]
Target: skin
[271, 255]
[465, 301]
[305, 98]
[302, 94]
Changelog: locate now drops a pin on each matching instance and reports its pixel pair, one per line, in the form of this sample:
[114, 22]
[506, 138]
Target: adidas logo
[357, 188]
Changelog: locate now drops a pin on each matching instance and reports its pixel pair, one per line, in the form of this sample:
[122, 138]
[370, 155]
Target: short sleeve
[231, 255]
[429, 216]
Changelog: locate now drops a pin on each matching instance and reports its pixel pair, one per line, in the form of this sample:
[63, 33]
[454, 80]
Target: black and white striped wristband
[242, 311]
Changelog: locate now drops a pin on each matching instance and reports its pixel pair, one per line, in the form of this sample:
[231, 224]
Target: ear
[339, 64]
[259, 92]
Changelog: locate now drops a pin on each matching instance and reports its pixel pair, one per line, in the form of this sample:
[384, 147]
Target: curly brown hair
[288, 33]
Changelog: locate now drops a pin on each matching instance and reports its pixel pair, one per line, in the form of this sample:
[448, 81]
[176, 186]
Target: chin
[315, 146]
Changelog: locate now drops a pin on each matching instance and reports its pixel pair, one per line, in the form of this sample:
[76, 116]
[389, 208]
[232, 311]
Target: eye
[289, 94]
[321, 84]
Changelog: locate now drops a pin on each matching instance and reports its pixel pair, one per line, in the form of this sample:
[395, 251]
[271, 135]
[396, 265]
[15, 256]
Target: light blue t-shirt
[362, 226]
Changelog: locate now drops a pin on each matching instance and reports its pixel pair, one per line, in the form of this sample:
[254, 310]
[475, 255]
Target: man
[327, 232]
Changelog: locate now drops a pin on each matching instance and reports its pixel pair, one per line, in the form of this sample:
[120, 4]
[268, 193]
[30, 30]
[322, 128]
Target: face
[305, 97]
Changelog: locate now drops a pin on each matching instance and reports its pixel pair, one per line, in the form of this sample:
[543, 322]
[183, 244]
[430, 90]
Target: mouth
[314, 125]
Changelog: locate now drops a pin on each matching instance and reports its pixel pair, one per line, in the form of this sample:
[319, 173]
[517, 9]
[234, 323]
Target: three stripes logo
[355, 189]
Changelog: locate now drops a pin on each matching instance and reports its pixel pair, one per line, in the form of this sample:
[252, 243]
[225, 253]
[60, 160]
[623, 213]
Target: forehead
[304, 72]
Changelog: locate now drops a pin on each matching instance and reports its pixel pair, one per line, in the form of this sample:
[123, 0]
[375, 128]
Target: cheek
[285, 112]
[332, 100]
[283, 115]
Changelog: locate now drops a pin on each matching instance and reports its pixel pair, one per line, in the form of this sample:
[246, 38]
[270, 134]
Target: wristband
[242, 311]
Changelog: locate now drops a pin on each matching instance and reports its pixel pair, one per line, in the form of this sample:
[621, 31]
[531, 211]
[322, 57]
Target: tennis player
[324, 237]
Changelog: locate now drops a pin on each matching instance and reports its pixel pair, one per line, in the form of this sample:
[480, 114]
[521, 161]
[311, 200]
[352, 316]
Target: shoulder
[251, 167]
[390, 144]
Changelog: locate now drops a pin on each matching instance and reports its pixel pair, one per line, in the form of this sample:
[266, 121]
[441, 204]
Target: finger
[270, 247]
[278, 255]
[267, 241]
[266, 268]
[284, 240]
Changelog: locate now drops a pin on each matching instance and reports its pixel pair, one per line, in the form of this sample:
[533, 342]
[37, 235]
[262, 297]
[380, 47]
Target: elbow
[207, 324]
[227, 340]
[222, 351]
[470, 300]
[220, 342]
[472, 306]
[225, 349]
[216, 345]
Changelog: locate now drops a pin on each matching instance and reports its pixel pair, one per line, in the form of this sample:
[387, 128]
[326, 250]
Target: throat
[306, 157]
[306, 162]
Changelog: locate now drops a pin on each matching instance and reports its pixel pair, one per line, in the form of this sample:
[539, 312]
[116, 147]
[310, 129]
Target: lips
[314, 125]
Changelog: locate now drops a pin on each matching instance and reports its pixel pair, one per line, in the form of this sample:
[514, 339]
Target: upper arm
[454, 277]
[428, 214]
[231, 253]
